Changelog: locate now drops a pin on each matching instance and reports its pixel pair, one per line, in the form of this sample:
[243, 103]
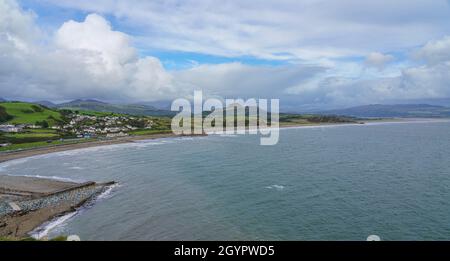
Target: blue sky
[310, 54]
[52, 16]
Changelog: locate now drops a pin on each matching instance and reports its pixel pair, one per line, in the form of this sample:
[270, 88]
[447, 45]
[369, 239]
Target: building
[10, 128]
[115, 135]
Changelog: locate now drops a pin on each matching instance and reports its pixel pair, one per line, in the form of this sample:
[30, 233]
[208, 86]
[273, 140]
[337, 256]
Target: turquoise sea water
[322, 183]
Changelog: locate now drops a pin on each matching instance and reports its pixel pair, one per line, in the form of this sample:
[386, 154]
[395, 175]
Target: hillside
[4, 116]
[132, 109]
[396, 110]
[46, 104]
[29, 113]
[161, 105]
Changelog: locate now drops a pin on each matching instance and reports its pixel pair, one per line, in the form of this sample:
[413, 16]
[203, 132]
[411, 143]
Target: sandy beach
[6, 156]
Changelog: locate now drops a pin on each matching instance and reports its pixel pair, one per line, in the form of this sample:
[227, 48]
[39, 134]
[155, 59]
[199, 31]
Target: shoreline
[19, 154]
[38, 222]
[44, 228]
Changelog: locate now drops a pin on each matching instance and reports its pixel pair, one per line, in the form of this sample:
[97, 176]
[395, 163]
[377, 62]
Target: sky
[311, 54]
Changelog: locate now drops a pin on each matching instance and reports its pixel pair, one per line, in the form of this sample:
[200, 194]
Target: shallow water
[321, 183]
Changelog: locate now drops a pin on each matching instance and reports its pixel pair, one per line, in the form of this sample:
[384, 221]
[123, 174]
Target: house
[87, 135]
[4, 144]
[10, 128]
[115, 135]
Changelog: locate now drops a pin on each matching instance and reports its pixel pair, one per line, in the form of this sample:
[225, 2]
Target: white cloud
[378, 60]
[435, 51]
[151, 81]
[427, 81]
[96, 37]
[282, 29]
[90, 59]
[16, 26]
[87, 59]
[237, 79]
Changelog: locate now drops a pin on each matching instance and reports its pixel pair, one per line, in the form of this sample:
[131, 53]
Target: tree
[37, 108]
[44, 124]
[4, 116]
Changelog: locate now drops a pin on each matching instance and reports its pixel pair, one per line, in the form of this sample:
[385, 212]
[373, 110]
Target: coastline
[19, 154]
[35, 221]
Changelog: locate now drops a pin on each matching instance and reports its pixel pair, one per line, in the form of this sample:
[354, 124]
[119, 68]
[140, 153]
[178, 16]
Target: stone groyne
[20, 212]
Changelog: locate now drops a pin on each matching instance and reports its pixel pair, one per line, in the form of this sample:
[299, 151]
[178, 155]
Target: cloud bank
[82, 59]
[281, 29]
[89, 58]
[378, 60]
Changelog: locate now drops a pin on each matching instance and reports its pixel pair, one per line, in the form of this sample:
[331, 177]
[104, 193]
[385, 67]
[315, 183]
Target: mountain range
[434, 109]
[95, 105]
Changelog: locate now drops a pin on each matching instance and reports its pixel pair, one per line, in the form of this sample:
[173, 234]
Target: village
[86, 126]
[76, 125]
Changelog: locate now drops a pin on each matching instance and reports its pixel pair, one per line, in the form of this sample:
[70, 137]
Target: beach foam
[275, 186]
[44, 229]
[48, 177]
[107, 193]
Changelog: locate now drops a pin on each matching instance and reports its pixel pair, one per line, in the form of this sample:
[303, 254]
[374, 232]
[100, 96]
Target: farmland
[29, 113]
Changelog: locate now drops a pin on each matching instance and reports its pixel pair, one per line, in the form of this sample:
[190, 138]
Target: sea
[337, 182]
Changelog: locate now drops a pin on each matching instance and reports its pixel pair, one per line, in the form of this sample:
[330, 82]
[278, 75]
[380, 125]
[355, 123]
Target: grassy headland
[29, 113]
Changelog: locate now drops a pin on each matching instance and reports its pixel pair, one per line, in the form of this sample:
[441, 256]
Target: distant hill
[161, 105]
[2, 100]
[132, 109]
[29, 113]
[48, 104]
[396, 110]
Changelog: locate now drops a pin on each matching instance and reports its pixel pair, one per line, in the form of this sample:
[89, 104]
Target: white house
[10, 128]
[115, 135]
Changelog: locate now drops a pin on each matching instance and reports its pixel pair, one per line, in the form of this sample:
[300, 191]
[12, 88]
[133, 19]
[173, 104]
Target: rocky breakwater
[26, 202]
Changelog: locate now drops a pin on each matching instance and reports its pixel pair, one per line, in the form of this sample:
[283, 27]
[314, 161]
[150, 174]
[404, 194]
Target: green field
[28, 113]
[40, 144]
[42, 131]
[31, 135]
